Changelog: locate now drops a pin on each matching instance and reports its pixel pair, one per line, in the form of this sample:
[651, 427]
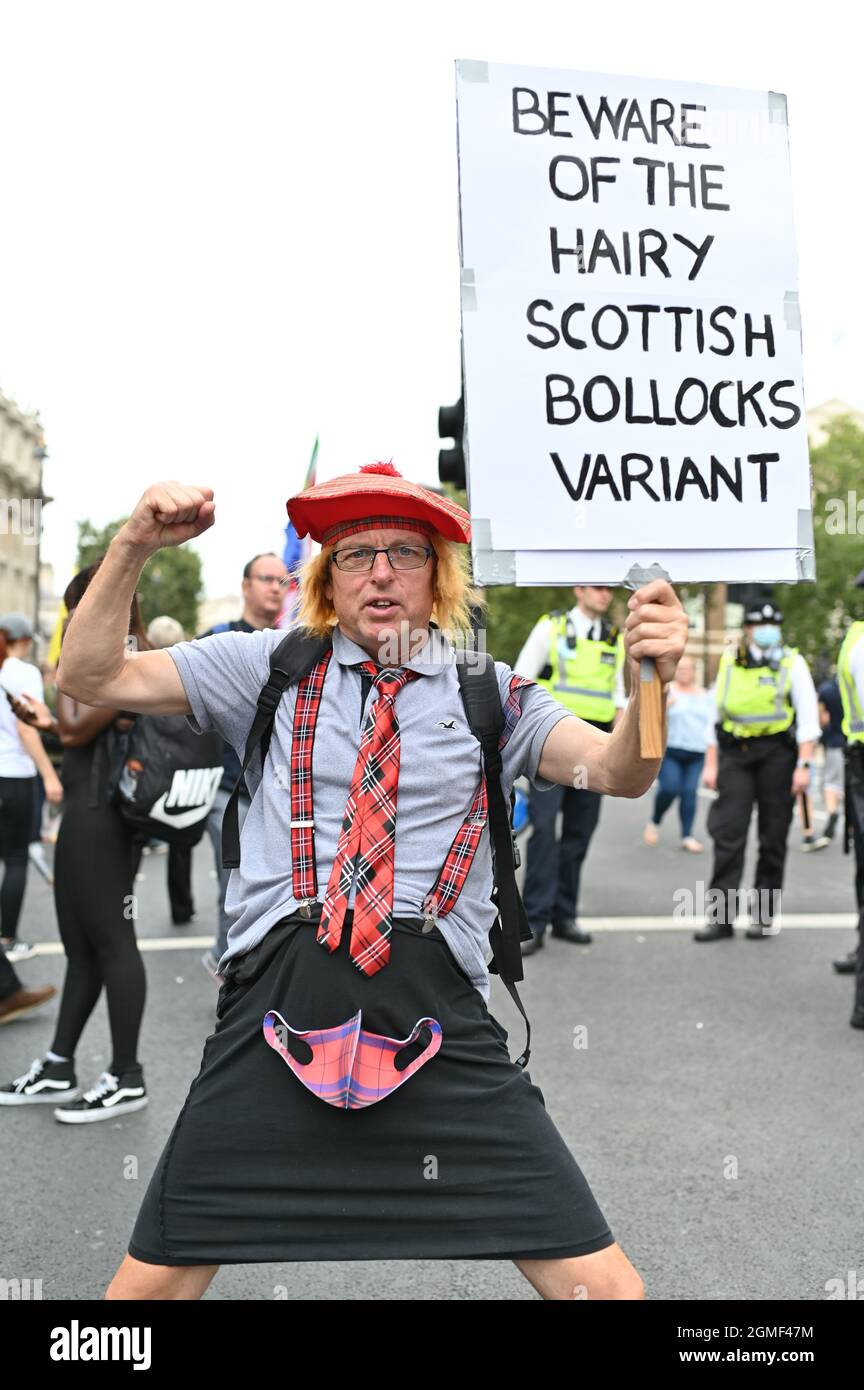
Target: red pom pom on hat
[386, 468]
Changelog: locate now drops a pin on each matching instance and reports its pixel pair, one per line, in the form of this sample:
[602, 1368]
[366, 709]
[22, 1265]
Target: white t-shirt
[19, 678]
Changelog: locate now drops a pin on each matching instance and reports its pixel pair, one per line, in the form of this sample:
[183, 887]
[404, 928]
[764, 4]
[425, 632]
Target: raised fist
[169, 514]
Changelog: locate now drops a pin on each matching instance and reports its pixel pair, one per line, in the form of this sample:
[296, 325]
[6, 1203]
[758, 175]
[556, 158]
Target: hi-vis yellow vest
[853, 714]
[755, 700]
[583, 677]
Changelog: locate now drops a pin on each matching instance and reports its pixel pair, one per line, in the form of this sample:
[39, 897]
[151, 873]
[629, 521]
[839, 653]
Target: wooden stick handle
[650, 710]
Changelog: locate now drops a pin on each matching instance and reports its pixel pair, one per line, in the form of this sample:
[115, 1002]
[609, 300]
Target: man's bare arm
[95, 666]
[576, 754]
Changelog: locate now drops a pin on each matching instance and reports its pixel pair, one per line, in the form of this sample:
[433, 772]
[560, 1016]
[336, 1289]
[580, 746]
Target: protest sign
[631, 335]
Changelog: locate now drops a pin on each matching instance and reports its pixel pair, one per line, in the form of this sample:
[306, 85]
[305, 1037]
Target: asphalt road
[715, 1106]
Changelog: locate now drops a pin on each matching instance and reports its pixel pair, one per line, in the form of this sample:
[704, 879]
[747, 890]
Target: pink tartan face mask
[346, 1066]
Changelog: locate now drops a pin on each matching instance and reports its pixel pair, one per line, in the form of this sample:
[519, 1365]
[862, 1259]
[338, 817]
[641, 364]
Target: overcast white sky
[228, 226]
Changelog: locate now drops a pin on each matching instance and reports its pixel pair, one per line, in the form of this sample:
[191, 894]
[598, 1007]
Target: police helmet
[763, 613]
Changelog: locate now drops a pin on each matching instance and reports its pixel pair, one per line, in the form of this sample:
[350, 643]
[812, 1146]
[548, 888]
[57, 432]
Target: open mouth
[382, 606]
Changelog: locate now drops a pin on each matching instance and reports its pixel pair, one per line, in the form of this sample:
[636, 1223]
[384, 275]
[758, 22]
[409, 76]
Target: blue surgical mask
[766, 635]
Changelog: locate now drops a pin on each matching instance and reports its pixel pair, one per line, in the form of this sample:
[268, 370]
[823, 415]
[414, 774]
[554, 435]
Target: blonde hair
[452, 594]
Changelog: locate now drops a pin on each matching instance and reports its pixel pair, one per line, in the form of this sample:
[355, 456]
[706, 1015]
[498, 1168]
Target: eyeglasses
[267, 578]
[401, 557]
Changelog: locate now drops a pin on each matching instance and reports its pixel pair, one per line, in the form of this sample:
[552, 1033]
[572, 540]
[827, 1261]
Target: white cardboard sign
[631, 337]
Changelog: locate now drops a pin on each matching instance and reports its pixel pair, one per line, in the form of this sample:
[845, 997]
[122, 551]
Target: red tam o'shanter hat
[377, 495]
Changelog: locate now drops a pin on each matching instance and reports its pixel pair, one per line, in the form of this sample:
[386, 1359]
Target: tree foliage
[510, 612]
[171, 582]
[815, 617]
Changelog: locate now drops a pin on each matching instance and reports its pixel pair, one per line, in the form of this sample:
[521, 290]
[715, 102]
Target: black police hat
[763, 613]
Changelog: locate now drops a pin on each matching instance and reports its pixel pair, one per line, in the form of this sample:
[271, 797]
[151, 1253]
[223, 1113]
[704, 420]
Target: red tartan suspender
[304, 876]
[460, 855]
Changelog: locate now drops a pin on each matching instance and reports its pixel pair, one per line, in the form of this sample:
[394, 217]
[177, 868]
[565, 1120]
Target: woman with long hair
[689, 714]
[93, 895]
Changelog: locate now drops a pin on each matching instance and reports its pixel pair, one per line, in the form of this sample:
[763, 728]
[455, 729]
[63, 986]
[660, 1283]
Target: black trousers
[758, 769]
[9, 982]
[855, 809]
[95, 903]
[179, 880]
[16, 813]
[553, 868]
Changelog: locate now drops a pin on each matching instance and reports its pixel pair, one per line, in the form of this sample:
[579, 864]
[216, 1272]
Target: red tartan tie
[368, 833]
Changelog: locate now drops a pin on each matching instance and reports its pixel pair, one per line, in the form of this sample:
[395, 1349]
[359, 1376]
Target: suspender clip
[305, 907]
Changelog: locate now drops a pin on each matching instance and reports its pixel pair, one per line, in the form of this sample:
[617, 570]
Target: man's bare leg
[605, 1274]
[137, 1280]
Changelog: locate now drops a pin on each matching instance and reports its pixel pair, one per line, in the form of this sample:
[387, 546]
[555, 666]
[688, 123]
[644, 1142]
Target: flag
[295, 554]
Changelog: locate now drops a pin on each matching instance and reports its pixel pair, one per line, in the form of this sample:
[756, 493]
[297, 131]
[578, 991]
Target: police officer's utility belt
[787, 738]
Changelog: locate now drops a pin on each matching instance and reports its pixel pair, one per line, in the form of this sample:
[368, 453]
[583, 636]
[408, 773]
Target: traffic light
[451, 462]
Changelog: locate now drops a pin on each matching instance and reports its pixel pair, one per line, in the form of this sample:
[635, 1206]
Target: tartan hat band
[353, 528]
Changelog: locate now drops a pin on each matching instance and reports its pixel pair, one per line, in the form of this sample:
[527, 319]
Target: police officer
[850, 678]
[766, 726]
[579, 658]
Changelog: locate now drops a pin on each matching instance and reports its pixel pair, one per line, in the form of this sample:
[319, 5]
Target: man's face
[262, 591]
[593, 599]
[374, 604]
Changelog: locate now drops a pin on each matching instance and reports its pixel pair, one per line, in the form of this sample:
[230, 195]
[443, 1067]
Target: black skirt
[462, 1161]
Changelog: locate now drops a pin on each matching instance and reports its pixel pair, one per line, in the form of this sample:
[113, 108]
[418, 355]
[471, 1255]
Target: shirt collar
[435, 656]
[583, 623]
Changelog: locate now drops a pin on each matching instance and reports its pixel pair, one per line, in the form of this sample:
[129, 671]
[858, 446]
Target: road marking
[145, 943]
[667, 923]
[829, 920]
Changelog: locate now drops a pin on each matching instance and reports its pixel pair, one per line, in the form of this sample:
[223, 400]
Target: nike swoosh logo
[183, 818]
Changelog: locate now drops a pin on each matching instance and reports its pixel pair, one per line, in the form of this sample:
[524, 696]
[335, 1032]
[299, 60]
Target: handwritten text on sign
[631, 335]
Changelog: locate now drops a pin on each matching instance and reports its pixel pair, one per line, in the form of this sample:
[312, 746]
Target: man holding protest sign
[334, 917]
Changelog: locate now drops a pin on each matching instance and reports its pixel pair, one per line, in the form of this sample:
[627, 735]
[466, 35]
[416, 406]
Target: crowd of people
[752, 738]
[96, 858]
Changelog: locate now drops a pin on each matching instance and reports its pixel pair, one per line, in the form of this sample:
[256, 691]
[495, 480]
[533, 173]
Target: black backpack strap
[481, 697]
[293, 659]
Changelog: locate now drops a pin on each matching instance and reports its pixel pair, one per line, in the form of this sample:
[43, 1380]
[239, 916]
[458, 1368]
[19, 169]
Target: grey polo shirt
[438, 776]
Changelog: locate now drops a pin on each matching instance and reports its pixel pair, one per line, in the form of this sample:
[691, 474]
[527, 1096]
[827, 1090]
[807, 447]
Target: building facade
[22, 451]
